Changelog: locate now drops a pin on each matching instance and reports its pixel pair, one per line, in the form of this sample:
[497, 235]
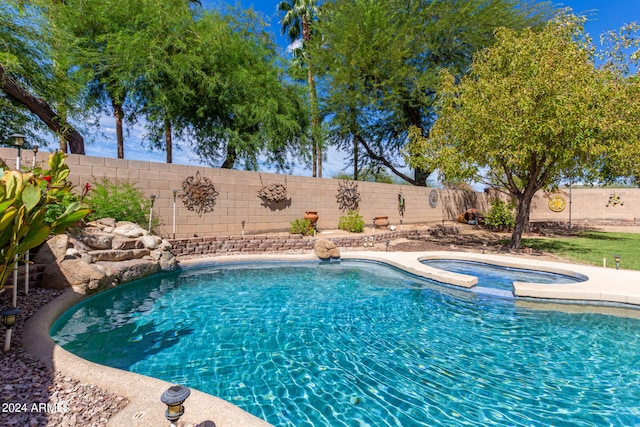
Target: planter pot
[381, 221]
[311, 216]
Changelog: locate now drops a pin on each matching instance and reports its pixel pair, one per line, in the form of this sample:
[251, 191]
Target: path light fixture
[617, 259]
[174, 398]
[153, 199]
[175, 194]
[35, 154]
[18, 142]
[8, 316]
[387, 243]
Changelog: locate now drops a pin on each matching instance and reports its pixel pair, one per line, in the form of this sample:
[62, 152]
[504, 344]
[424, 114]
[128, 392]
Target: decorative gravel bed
[32, 394]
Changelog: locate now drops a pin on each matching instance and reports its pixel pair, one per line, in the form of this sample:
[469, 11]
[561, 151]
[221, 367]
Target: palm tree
[296, 22]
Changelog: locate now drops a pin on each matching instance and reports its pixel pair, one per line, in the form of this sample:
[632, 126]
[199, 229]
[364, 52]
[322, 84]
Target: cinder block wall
[237, 198]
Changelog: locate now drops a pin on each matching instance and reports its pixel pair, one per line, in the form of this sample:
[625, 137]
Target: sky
[603, 15]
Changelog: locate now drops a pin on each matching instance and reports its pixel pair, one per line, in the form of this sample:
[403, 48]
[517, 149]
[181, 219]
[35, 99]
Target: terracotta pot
[311, 216]
[381, 221]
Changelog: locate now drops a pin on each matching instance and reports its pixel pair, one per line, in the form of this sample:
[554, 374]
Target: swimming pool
[358, 343]
[499, 277]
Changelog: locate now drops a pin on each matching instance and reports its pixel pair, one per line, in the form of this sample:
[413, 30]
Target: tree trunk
[420, 177]
[522, 217]
[167, 140]
[355, 159]
[118, 113]
[43, 110]
[230, 160]
[315, 124]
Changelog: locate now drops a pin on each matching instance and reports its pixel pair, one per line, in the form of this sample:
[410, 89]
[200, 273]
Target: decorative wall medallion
[274, 193]
[557, 203]
[433, 198]
[198, 194]
[348, 197]
[615, 200]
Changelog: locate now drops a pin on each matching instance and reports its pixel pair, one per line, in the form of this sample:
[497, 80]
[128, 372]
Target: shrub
[501, 214]
[351, 222]
[120, 200]
[301, 226]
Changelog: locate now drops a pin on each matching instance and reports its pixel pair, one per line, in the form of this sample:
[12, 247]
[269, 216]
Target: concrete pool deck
[602, 287]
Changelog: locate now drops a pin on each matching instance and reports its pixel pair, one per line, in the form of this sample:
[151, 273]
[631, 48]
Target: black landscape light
[18, 142]
[174, 398]
[617, 259]
[8, 316]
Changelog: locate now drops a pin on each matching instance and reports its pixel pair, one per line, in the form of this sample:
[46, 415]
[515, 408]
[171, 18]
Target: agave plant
[24, 201]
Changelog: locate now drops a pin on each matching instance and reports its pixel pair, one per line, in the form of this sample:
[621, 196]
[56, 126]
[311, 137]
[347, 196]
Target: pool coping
[603, 286]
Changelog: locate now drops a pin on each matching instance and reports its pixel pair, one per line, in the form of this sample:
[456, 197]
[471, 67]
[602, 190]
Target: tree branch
[384, 161]
[40, 108]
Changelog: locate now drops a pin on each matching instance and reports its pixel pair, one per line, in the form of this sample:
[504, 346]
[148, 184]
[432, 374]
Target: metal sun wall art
[615, 200]
[433, 199]
[348, 197]
[557, 203]
[198, 194]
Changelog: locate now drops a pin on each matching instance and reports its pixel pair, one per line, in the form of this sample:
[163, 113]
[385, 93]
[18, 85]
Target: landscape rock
[53, 250]
[129, 229]
[97, 239]
[102, 254]
[326, 249]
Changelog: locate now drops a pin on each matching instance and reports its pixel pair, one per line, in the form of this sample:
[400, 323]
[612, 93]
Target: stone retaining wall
[226, 245]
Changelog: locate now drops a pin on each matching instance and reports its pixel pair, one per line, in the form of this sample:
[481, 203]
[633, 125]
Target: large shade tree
[30, 90]
[297, 21]
[533, 109]
[234, 103]
[381, 59]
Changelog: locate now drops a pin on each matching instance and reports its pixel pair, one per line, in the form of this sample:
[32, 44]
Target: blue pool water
[361, 344]
[498, 277]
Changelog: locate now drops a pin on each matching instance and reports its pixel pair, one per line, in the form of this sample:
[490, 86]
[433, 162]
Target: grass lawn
[591, 247]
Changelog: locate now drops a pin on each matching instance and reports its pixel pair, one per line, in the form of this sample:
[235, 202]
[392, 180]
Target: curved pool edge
[144, 408]
[602, 285]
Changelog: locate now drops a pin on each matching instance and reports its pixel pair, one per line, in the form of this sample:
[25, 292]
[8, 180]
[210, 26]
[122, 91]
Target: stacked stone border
[228, 245]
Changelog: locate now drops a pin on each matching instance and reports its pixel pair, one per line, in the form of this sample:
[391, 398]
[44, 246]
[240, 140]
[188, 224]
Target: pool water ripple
[358, 343]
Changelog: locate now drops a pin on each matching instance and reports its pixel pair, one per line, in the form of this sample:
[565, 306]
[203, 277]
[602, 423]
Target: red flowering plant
[25, 200]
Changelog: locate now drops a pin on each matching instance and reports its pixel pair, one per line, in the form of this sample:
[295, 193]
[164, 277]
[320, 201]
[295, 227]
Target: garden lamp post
[8, 316]
[617, 259]
[174, 398]
[175, 194]
[35, 154]
[18, 141]
[153, 199]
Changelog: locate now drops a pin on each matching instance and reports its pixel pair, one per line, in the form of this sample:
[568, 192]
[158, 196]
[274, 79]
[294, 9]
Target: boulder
[150, 242]
[102, 255]
[326, 249]
[129, 229]
[127, 271]
[84, 277]
[96, 239]
[53, 250]
[120, 243]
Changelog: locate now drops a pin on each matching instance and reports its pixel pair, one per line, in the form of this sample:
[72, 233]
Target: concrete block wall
[238, 200]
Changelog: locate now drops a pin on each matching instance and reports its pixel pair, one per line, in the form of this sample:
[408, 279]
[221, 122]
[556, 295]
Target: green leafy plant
[301, 226]
[501, 214]
[351, 222]
[122, 201]
[25, 199]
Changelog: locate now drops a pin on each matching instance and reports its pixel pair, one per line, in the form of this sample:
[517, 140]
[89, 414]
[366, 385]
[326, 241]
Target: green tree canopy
[29, 86]
[380, 62]
[532, 110]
